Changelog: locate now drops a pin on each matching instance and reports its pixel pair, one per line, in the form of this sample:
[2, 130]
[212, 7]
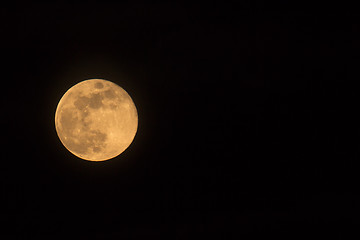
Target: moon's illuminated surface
[96, 120]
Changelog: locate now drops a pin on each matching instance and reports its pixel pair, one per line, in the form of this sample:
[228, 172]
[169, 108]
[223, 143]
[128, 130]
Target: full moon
[96, 120]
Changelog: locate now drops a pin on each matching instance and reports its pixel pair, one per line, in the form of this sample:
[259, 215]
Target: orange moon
[96, 120]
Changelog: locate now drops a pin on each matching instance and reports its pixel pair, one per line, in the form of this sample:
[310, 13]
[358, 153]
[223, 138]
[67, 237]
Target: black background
[248, 121]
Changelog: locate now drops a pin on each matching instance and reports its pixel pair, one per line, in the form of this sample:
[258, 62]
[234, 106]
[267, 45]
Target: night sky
[248, 121]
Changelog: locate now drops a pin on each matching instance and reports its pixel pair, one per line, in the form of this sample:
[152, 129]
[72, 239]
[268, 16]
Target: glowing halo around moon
[96, 120]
